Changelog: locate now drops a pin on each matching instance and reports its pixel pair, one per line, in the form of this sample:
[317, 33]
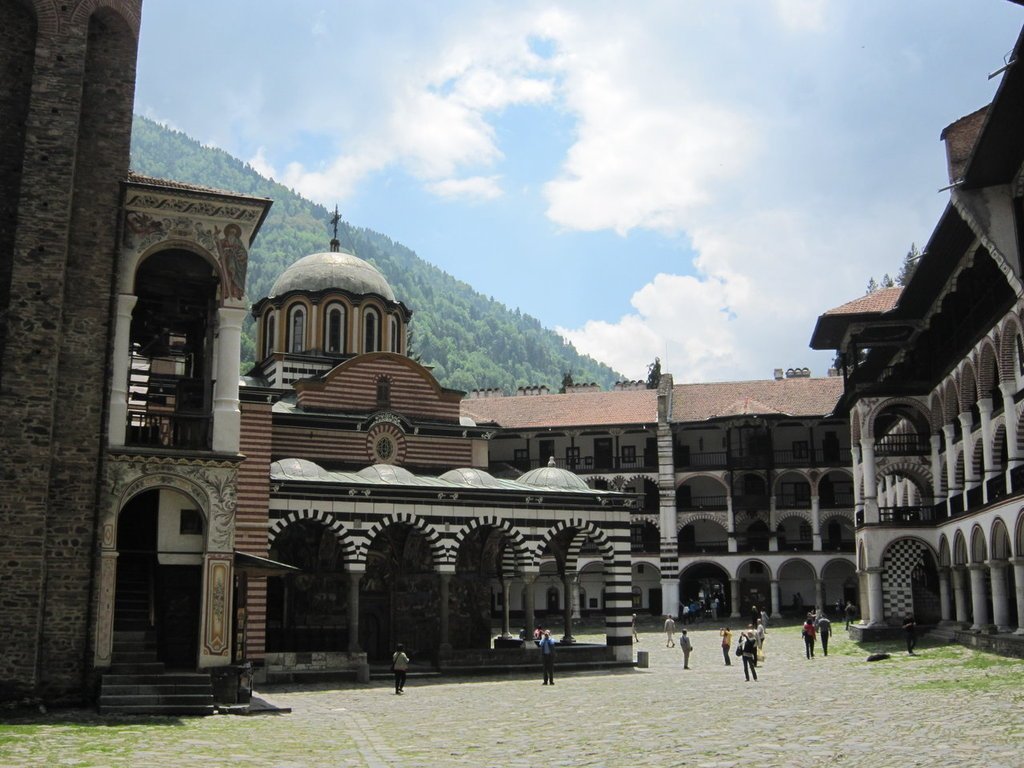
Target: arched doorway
[797, 591]
[910, 582]
[160, 539]
[704, 582]
[755, 587]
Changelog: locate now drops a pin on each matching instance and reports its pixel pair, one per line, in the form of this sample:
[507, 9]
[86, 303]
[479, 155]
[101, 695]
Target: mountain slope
[472, 341]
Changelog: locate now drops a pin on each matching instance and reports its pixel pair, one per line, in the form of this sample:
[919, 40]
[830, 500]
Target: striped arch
[988, 368]
[799, 514]
[1008, 358]
[588, 529]
[913, 403]
[519, 548]
[816, 484]
[919, 473]
[835, 514]
[717, 477]
[979, 549]
[978, 457]
[959, 548]
[935, 408]
[945, 558]
[950, 402]
[350, 552]
[854, 428]
[127, 10]
[654, 520]
[968, 386]
[641, 476]
[438, 550]
[683, 520]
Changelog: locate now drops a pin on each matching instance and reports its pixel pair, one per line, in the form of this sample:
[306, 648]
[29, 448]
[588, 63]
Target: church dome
[388, 473]
[339, 270]
[471, 476]
[553, 477]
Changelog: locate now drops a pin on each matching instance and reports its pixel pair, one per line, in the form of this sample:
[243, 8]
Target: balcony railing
[806, 457]
[903, 445]
[703, 460]
[995, 487]
[586, 464]
[168, 430]
[715, 503]
[796, 545]
[788, 501]
[703, 547]
[921, 514]
[956, 505]
[836, 501]
[750, 501]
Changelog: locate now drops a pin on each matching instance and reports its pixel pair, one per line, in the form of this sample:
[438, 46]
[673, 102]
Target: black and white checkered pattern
[898, 564]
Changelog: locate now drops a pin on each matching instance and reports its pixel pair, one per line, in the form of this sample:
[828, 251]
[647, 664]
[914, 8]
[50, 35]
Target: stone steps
[173, 693]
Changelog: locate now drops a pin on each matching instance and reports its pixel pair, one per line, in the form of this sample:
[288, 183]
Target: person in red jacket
[809, 636]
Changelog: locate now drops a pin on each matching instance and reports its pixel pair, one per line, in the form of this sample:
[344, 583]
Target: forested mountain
[472, 341]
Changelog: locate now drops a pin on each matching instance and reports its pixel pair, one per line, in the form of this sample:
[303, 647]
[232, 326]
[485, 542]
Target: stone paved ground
[947, 706]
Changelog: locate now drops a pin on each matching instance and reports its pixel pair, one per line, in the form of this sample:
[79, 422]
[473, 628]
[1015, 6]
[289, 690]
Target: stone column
[876, 609]
[529, 606]
[952, 487]
[944, 611]
[776, 601]
[567, 609]
[990, 470]
[354, 577]
[819, 594]
[444, 646]
[105, 609]
[670, 597]
[1000, 600]
[971, 479]
[506, 594]
[734, 598]
[936, 442]
[1018, 583]
[226, 414]
[978, 602]
[117, 420]
[959, 603]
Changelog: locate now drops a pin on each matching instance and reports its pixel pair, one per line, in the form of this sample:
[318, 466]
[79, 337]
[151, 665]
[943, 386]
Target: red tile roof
[882, 300]
[765, 397]
[691, 402]
[580, 409]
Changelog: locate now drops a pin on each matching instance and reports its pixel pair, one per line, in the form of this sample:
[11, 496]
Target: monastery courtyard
[946, 706]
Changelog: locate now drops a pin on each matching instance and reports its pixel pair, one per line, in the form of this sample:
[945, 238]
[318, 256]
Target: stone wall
[57, 328]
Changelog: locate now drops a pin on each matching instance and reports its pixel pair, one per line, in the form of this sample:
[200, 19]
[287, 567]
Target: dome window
[297, 329]
[396, 337]
[269, 326]
[371, 331]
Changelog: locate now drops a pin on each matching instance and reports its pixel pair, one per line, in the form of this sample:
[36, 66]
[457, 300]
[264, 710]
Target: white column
[971, 479]
[979, 603]
[316, 336]
[1018, 583]
[876, 611]
[117, 420]
[734, 596]
[985, 410]
[776, 601]
[816, 523]
[936, 441]
[867, 451]
[952, 486]
[1000, 601]
[670, 597]
[944, 595]
[819, 594]
[226, 414]
[959, 602]
[731, 515]
[1010, 420]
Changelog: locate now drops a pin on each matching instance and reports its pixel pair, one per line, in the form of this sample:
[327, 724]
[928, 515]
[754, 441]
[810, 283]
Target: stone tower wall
[77, 133]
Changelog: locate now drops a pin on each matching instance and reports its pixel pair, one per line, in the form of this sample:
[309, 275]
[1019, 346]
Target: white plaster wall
[168, 538]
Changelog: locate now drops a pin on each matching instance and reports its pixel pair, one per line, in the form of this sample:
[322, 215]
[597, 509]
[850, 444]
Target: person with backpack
[747, 648]
[685, 646]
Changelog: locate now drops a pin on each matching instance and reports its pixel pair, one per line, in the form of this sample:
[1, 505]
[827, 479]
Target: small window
[383, 392]
[269, 327]
[334, 330]
[521, 459]
[396, 337]
[799, 449]
[629, 455]
[371, 331]
[190, 523]
[297, 330]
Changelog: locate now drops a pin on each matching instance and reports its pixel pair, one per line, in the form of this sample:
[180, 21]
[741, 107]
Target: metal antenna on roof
[335, 245]
[1008, 61]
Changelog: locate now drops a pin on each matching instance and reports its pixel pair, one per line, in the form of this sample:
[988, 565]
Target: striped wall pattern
[335, 447]
[516, 548]
[352, 387]
[351, 551]
[253, 498]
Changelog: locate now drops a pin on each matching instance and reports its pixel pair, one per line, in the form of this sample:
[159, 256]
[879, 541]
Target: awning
[261, 566]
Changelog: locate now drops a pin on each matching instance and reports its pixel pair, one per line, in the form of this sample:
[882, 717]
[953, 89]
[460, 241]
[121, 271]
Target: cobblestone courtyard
[946, 706]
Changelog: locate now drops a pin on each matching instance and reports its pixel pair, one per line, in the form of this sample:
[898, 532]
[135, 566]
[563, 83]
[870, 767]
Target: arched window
[334, 329]
[269, 327]
[371, 331]
[383, 392]
[297, 329]
[396, 339]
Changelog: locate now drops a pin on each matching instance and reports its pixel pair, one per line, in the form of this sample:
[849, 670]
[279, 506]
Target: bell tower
[67, 84]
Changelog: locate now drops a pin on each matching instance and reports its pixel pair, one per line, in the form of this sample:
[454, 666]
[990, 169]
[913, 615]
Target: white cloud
[802, 15]
[474, 188]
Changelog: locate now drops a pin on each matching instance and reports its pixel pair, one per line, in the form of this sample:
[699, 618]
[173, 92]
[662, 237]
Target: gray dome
[388, 473]
[471, 476]
[333, 269]
[297, 469]
[553, 477]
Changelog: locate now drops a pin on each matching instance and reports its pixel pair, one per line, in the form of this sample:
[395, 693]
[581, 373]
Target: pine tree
[887, 281]
[910, 262]
[872, 285]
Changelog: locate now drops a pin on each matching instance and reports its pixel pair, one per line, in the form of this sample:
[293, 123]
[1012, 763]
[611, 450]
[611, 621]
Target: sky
[694, 181]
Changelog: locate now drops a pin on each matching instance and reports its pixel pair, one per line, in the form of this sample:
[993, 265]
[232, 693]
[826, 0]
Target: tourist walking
[748, 650]
[685, 646]
[764, 618]
[824, 632]
[808, 635]
[636, 637]
[754, 615]
[726, 644]
[670, 629]
[400, 666]
[547, 656]
[714, 609]
[851, 613]
[759, 634]
[910, 628]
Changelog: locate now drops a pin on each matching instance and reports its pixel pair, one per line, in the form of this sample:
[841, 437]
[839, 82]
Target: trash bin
[642, 659]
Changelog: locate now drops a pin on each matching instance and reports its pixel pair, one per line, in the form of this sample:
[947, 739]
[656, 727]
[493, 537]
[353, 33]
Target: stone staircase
[138, 683]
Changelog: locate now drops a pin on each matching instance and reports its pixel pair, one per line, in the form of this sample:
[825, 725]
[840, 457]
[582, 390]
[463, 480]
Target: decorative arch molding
[210, 484]
[683, 520]
[438, 550]
[793, 514]
[978, 547]
[960, 553]
[808, 476]
[836, 514]
[916, 471]
[1000, 547]
[651, 476]
[988, 368]
[585, 527]
[950, 401]
[889, 546]
[126, 9]
[350, 553]
[884, 404]
[945, 559]
[846, 473]
[131, 261]
[520, 548]
[1011, 329]
[968, 384]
